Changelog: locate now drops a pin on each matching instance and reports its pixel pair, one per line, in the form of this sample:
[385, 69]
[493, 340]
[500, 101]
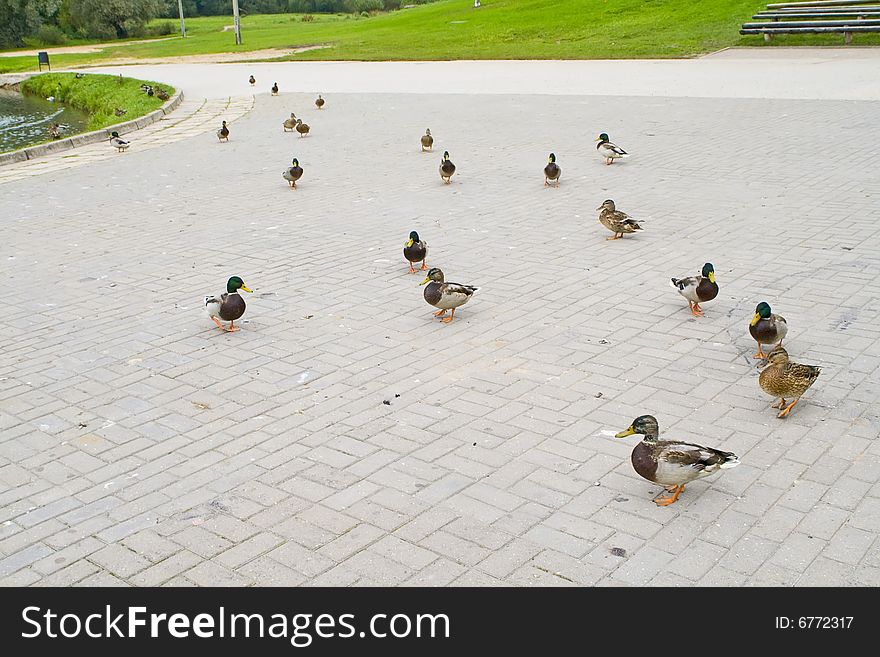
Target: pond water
[25, 120]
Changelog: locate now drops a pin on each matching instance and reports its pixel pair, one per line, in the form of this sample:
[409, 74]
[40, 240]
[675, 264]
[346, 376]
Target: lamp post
[182, 24]
[237, 22]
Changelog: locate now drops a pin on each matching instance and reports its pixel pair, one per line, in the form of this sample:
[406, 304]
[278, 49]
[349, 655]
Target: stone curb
[95, 136]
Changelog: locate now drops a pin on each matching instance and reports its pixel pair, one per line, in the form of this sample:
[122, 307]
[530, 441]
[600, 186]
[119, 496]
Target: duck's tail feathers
[730, 461]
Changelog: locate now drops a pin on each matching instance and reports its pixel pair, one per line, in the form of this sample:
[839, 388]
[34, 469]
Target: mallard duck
[782, 378]
[161, 94]
[290, 124]
[552, 171]
[293, 173]
[609, 151]
[415, 250]
[697, 288]
[427, 141]
[446, 296]
[447, 168]
[767, 328]
[616, 221]
[118, 143]
[252, 80]
[229, 306]
[671, 463]
[274, 88]
[55, 131]
[302, 128]
[119, 111]
[223, 132]
[320, 102]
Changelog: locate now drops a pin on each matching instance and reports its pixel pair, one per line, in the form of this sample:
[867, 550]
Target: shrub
[50, 35]
[160, 29]
[307, 18]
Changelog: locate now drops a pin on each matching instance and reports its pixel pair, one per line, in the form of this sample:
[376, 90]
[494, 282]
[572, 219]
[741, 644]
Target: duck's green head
[603, 137]
[235, 284]
[645, 425]
[434, 274]
[552, 158]
[295, 162]
[762, 311]
[114, 134]
[413, 238]
[428, 131]
[445, 155]
[709, 271]
[607, 204]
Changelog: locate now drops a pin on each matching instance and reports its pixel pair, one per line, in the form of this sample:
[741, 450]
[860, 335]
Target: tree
[21, 18]
[112, 19]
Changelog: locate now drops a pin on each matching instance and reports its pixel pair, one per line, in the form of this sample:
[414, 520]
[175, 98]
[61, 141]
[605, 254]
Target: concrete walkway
[792, 73]
[345, 437]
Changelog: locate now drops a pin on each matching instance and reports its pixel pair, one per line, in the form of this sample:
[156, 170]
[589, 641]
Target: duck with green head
[292, 173]
[607, 150]
[447, 168]
[767, 327]
[446, 296]
[118, 143]
[229, 306]
[415, 250]
[552, 172]
[697, 288]
[672, 463]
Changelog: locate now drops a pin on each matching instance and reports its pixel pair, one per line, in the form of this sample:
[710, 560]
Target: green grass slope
[453, 29]
[97, 95]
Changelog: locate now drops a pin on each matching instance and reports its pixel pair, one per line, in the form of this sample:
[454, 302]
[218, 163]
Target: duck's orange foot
[446, 320]
[779, 404]
[439, 313]
[424, 266]
[666, 501]
[785, 411]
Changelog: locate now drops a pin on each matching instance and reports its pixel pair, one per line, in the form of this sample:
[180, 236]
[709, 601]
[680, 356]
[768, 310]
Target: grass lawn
[97, 95]
[500, 29]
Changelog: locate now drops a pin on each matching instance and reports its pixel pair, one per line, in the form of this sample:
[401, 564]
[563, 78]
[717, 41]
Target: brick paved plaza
[346, 437]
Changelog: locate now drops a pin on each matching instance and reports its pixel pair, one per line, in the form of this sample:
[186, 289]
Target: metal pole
[237, 22]
[182, 23]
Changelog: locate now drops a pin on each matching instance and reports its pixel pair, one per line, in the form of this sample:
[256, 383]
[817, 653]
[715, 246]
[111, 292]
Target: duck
[697, 288]
[274, 88]
[447, 168]
[767, 328]
[427, 141]
[552, 171]
[55, 130]
[446, 296]
[290, 124]
[302, 128]
[672, 463]
[415, 250]
[293, 173]
[223, 132]
[616, 221]
[252, 80]
[609, 151]
[783, 378]
[229, 306]
[161, 94]
[118, 143]
[319, 102]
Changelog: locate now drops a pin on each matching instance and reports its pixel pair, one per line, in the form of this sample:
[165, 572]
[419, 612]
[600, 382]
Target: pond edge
[85, 138]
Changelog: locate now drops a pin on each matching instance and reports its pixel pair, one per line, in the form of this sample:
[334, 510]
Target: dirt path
[79, 50]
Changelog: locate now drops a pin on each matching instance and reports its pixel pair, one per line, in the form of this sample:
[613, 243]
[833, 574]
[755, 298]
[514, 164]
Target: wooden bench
[820, 17]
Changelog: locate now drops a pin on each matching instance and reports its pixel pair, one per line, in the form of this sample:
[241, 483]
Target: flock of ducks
[671, 463]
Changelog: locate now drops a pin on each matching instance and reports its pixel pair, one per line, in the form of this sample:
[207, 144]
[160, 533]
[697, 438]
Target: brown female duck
[783, 378]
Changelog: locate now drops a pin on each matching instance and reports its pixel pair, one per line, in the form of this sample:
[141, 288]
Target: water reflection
[25, 120]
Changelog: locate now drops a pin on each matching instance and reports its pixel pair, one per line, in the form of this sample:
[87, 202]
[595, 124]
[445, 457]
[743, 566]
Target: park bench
[820, 17]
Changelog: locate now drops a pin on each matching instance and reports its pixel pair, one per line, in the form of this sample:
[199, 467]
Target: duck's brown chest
[433, 293]
[644, 462]
[232, 307]
[707, 290]
[416, 252]
[764, 331]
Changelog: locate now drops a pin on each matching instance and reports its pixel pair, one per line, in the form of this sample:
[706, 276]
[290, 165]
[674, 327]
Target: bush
[51, 35]
[307, 18]
[160, 29]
